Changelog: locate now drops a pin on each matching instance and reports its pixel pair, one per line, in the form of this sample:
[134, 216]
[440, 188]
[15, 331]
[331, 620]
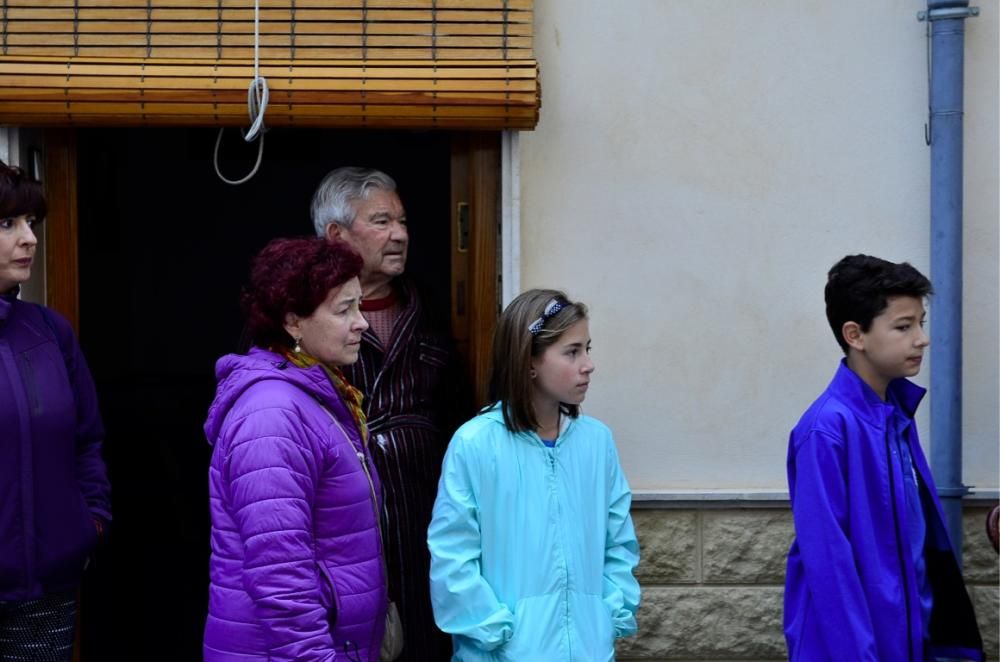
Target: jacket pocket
[30, 384]
[65, 538]
[328, 592]
[539, 630]
[432, 354]
[593, 623]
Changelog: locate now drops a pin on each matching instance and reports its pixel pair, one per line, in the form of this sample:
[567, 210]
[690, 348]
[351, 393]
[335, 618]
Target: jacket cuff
[496, 630]
[624, 622]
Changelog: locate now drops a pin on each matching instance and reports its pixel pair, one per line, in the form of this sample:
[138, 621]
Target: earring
[533, 374]
[298, 348]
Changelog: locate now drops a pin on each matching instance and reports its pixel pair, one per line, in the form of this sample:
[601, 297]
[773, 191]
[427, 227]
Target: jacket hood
[494, 413]
[235, 373]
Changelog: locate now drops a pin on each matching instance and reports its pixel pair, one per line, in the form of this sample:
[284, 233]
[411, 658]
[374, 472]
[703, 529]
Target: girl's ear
[853, 335]
[535, 362]
[293, 325]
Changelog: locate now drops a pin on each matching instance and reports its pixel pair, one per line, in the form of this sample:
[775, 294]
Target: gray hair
[332, 201]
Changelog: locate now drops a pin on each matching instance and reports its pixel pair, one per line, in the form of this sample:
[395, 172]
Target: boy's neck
[863, 369]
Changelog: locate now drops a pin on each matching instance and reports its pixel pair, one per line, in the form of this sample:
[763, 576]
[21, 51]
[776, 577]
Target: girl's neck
[548, 416]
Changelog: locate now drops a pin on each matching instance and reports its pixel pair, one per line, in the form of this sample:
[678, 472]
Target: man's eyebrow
[384, 214]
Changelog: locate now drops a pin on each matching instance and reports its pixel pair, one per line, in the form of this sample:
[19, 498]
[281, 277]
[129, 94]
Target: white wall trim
[510, 216]
[654, 498]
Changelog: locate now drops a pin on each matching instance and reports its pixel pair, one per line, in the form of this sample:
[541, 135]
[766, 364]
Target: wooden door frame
[62, 287]
[475, 267]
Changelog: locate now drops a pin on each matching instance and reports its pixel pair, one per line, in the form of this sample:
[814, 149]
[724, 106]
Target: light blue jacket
[532, 548]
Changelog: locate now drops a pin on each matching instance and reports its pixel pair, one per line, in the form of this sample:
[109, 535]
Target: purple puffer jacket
[296, 568]
[53, 483]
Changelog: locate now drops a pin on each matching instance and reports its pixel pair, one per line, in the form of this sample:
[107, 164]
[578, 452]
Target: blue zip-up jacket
[851, 589]
[532, 548]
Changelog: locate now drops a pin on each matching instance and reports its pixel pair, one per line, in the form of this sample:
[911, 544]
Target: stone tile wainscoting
[713, 572]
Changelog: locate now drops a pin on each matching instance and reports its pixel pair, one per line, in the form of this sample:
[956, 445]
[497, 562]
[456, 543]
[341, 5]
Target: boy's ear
[853, 336]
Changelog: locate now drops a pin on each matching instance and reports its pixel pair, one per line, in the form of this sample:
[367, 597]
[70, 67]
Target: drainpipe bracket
[947, 13]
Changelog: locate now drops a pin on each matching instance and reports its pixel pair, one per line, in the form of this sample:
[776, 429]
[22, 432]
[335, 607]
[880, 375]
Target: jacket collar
[7, 300]
[236, 373]
[848, 386]
[494, 413]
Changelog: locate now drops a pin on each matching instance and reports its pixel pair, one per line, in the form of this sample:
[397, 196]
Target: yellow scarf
[351, 396]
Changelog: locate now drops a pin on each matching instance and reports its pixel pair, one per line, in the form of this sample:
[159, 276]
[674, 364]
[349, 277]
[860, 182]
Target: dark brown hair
[858, 289]
[20, 194]
[514, 345]
[293, 276]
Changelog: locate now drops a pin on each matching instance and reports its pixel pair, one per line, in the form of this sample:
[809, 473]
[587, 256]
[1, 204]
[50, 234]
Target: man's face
[378, 234]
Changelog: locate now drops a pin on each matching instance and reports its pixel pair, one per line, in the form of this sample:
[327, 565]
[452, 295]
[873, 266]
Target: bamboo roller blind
[403, 63]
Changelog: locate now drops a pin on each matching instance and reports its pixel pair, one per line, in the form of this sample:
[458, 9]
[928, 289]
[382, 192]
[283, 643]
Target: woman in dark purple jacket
[54, 494]
[297, 571]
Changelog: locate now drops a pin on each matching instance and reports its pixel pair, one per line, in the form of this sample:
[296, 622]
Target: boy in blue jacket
[871, 572]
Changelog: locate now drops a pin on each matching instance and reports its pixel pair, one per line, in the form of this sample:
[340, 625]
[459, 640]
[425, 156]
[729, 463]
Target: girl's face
[17, 250]
[562, 372]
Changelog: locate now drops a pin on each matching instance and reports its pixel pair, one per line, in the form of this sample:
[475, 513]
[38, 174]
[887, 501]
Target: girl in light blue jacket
[532, 545]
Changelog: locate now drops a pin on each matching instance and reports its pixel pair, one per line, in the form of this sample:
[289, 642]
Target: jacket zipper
[23, 407]
[550, 452]
[378, 525]
[899, 546]
[378, 519]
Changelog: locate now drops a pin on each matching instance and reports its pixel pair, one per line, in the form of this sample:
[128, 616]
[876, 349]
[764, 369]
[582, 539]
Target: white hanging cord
[257, 96]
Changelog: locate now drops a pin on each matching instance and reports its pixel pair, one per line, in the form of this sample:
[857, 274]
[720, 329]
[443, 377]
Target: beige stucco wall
[697, 169]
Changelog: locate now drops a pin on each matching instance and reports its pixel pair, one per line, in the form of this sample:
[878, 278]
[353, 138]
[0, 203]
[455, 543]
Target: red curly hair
[293, 276]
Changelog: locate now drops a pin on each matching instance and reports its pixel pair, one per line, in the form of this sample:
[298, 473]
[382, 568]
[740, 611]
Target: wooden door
[475, 230]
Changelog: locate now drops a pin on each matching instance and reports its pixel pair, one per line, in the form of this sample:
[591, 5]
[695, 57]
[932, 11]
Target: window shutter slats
[437, 63]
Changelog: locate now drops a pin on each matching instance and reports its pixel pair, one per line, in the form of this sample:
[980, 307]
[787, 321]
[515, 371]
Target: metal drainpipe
[946, 34]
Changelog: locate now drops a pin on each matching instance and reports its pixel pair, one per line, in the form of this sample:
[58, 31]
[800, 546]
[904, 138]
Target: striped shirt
[413, 388]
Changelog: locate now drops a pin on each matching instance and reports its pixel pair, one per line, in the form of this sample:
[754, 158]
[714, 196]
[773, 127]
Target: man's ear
[293, 325]
[853, 335]
[333, 231]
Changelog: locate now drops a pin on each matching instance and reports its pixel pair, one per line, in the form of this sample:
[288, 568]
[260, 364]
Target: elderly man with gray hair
[412, 383]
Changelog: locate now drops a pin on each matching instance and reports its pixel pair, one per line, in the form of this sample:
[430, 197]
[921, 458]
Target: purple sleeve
[819, 508]
[91, 471]
[271, 478]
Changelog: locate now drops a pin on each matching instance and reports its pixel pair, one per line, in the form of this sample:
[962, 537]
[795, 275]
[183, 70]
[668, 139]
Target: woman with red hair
[297, 571]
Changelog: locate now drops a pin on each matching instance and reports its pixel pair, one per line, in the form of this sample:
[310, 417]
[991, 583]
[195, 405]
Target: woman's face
[332, 333]
[17, 250]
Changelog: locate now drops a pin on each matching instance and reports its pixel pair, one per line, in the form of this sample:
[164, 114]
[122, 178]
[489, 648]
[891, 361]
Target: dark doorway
[164, 248]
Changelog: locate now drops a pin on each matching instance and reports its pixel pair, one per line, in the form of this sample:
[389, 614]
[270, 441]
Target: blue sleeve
[819, 509]
[464, 603]
[621, 552]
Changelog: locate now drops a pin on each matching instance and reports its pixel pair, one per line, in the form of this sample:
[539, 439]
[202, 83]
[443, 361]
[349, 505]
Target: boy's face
[893, 346]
